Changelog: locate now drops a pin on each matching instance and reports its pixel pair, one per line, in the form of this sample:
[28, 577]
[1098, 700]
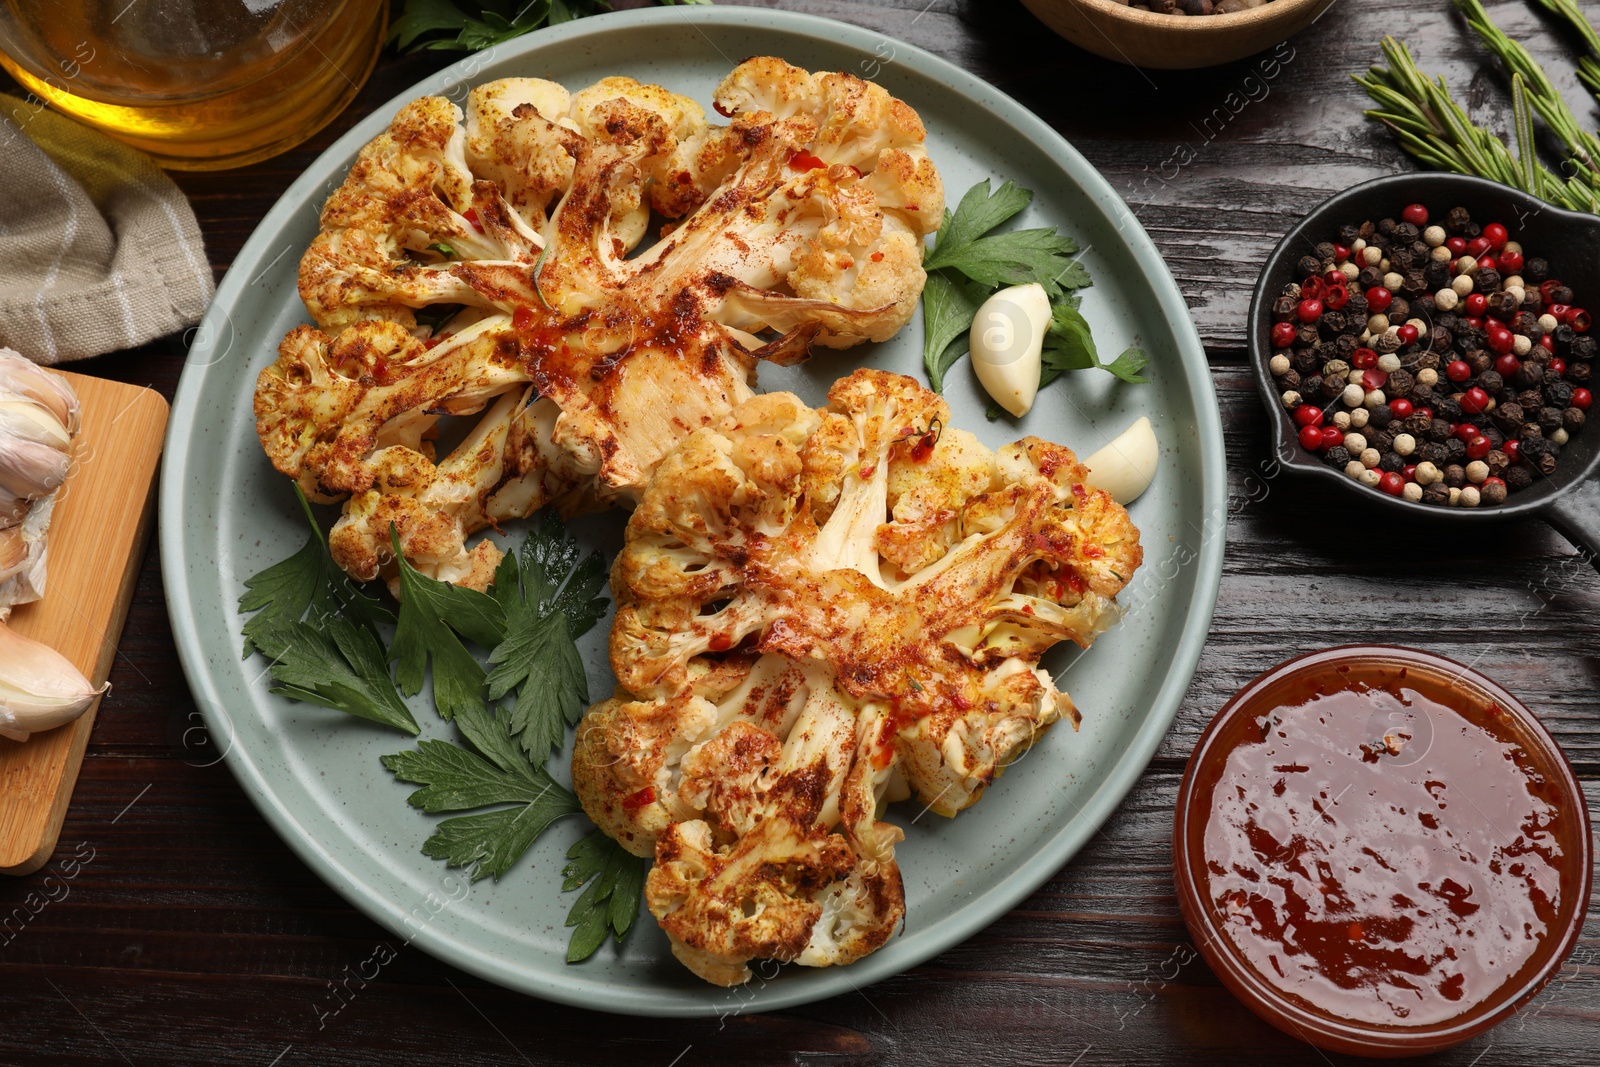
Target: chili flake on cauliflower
[482, 263]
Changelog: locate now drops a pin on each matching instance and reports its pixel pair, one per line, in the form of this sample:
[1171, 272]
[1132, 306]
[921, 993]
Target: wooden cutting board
[97, 541]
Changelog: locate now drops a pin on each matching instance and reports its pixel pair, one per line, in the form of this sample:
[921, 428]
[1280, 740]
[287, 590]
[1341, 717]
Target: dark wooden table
[193, 935]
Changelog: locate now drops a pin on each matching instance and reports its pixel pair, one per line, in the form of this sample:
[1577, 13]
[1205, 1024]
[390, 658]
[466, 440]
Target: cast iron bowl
[1569, 499]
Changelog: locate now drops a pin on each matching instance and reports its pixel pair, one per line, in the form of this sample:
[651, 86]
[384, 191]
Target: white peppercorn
[1388, 363]
[1427, 376]
[1355, 443]
[1434, 236]
[1427, 473]
[1469, 496]
[1521, 344]
[1374, 399]
[1446, 299]
[1420, 325]
[1548, 323]
[1378, 323]
[1370, 256]
[1412, 492]
[1462, 285]
[1341, 420]
[1291, 399]
[1455, 496]
[1354, 468]
[1477, 471]
[1370, 457]
[1371, 477]
[1440, 254]
[1559, 436]
[1349, 270]
[1405, 444]
[1394, 282]
[1278, 365]
[1358, 418]
[1466, 265]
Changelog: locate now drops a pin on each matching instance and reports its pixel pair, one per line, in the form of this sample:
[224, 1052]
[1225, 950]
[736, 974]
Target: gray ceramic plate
[315, 774]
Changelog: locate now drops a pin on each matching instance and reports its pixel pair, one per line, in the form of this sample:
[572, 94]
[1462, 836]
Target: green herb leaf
[432, 613]
[1069, 344]
[440, 25]
[615, 879]
[443, 249]
[422, 17]
[949, 302]
[1015, 258]
[547, 598]
[1128, 365]
[455, 779]
[337, 664]
[979, 212]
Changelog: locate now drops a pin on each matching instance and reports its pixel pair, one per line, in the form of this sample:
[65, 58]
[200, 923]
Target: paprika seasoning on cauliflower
[479, 264]
[788, 661]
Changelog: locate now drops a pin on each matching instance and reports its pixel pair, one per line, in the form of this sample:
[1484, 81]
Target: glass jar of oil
[198, 84]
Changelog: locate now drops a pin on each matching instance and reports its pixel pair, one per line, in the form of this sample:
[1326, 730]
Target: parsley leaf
[1128, 366]
[441, 25]
[432, 613]
[454, 779]
[615, 879]
[547, 598]
[334, 658]
[950, 301]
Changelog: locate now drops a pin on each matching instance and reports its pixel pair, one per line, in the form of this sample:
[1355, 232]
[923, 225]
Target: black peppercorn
[1440, 339]
[1540, 355]
[1450, 408]
[1529, 376]
[1417, 425]
[1479, 360]
[1348, 234]
[1369, 277]
[1380, 417]
[1386, 227]
[1503, 304]
[1457, 219]
[1336, 457]
[1391, 461]
[1549, 419]
[1308, 267]
[1437, 494]
[1332, 385]
[1547, 464]
[1283, 308]
[1290, 379]
[1332, 324]
[1531, 400]
[1423, 394]
[1427, 361]
[1366, 230]
[1471, 230]
[1305, 361]
[1562, 336]
[1572, 420]
[1401, 259]
[1535, 270]
[1487, 280]
[1494, 436]
[1498, 462]
[1356, 308]
[1434, 453]
[1561, 294]
[1492, 493]
[1325, 251]
[1399, 383]
[1399, 310]
[1455, 476]
[1406, 232]
[1346, 343]
[1439, 430]
[1307, 335]
[1457, 449]
[1491, 382]
[1423, 306]
[1508, 416]
[1558, 393]
[1519, 477]
[1584, 347]
[1527, 324]
[1532, 447]
[1578, 372]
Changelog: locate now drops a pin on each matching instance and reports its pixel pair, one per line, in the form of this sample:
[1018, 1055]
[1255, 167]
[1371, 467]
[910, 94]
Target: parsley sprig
[969, 262]
[324, 638]
[440, 25]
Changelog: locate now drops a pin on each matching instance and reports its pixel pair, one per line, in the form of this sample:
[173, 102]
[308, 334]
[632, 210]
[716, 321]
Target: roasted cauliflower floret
[470, 256]
[788, 661]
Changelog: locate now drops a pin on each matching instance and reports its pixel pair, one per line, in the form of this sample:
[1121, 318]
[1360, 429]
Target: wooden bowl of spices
[1380, 851]
[1156, 39]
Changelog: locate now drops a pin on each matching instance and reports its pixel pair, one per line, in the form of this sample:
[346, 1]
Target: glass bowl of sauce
[1381, 851]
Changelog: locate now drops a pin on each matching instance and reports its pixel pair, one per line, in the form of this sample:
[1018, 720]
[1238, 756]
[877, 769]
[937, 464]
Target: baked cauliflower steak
[820, 611]
[488, 262]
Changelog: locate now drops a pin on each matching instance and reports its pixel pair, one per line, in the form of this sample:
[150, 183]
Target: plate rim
[567, 986]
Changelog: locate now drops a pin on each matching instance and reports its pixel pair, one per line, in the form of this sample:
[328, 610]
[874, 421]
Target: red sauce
[1381, 847]
[800, 159]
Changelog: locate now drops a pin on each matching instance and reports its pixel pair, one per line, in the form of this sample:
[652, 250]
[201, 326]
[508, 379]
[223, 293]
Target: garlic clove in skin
[1007, 340]
[1125, 467]
[40, 689]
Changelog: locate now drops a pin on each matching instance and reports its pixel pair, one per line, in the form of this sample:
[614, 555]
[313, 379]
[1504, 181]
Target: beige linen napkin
[99, 250]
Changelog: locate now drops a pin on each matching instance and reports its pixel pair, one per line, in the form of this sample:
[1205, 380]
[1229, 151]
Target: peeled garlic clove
[1125, 467]
[40, 689]
[1007, 339]
[30, 469]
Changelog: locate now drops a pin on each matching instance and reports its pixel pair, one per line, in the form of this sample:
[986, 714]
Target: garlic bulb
[1125, 467]
[1007, 344]
[38, 419]
[40, 689]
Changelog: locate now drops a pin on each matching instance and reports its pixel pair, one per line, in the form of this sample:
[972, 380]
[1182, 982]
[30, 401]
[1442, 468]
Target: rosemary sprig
[1589, 65]
[1431, 126]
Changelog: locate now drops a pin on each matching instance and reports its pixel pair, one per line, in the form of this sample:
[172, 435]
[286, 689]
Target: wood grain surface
[173, 927]
[98, 533]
